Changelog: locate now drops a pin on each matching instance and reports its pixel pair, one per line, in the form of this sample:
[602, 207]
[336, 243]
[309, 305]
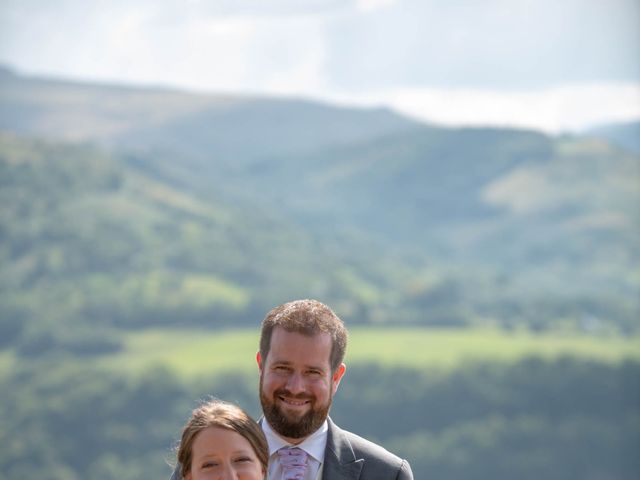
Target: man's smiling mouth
[293, 402]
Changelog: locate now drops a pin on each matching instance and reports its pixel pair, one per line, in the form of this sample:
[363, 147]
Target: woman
[221, 440]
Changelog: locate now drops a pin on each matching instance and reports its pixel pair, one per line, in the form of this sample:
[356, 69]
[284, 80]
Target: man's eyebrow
[288, 362]
[276, 360]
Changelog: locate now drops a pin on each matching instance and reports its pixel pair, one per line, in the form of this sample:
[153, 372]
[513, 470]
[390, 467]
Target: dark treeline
[565, 419]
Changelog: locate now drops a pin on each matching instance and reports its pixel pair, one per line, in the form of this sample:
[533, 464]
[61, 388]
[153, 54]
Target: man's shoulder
[367, 448]
[376, 457]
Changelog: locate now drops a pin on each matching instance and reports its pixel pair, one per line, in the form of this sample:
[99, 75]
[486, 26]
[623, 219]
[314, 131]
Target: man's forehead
[284, 336]
[314, 348]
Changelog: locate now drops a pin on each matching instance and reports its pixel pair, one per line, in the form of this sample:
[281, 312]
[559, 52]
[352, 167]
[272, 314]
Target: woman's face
[223, 454]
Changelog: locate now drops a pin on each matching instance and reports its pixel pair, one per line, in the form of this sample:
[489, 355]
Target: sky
[553, 65]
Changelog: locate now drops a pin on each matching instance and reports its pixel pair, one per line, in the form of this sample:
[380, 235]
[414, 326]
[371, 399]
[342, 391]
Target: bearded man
[302, 348]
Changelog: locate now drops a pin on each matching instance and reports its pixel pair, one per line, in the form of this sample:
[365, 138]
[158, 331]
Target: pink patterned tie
[294, 463]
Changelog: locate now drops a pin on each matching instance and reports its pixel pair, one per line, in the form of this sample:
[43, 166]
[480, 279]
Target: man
[302, 347]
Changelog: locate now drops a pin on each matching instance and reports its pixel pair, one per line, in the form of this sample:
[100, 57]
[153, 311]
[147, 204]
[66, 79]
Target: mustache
[283, 392]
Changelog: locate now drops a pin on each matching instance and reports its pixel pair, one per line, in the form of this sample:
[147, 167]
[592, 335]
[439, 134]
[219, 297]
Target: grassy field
[194, 353]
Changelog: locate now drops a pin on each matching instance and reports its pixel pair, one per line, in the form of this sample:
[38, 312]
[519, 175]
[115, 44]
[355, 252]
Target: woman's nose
[229, 473]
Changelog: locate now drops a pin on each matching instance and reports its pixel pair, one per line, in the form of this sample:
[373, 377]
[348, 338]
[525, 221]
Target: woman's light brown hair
[217, 413]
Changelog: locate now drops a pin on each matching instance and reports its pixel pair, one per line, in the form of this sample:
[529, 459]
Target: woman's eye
[243, 459]
[209, 465]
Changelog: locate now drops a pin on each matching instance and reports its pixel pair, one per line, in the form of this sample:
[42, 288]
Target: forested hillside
[564, 419]
[218, 197]
[625, 135]
[90, 241]
[131, 213]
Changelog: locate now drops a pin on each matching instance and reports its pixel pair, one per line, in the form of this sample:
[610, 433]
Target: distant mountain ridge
[175, 120]
[391, 220]
[625, 135]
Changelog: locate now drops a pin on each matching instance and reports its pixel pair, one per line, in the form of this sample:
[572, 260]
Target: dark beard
[300, 428]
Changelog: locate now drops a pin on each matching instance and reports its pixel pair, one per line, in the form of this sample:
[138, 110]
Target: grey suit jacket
[350, 457]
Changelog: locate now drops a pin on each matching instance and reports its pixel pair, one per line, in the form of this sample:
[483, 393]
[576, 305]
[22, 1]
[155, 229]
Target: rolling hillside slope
[199, 204]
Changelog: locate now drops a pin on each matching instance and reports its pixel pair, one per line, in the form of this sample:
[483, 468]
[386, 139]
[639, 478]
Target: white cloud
[544, 64]
[494, 44]
[371, 5]
[289, 57]
[553, 110]
[209, 54]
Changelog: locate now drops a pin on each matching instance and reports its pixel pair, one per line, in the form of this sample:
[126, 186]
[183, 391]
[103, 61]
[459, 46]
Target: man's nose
[295, 383]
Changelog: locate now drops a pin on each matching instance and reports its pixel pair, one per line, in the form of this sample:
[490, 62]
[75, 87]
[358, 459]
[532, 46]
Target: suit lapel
[340, 461]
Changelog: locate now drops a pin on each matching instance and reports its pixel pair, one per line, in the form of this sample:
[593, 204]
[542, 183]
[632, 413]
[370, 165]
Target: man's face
[296, 383]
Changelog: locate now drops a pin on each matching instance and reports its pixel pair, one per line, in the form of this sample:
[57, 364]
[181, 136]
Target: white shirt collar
[314, 444]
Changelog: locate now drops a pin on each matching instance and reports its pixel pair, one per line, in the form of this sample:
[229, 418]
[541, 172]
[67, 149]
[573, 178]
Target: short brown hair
[308, 317]
[221, 414]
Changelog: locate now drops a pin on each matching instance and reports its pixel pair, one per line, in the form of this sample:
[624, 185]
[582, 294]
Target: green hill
[204, 129]
[140, 227]
[79, 225]
[87, 238]
[542, 227]
[195, 207]
[625, 134]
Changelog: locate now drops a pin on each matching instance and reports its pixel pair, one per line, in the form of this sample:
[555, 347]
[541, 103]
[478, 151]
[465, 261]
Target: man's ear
[259, 360]
[337, 376]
